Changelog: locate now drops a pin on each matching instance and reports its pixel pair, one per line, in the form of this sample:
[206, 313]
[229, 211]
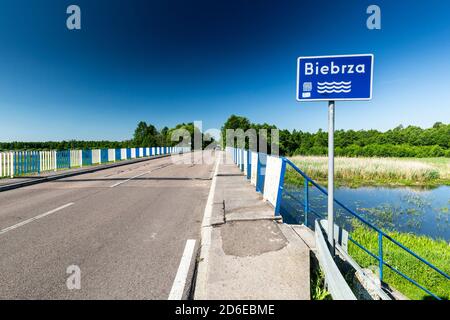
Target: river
[414, 210]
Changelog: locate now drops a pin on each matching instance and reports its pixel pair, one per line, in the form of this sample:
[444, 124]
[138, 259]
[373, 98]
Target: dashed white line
[119, 183]
[20, 224]
[141, 174]
[176, 293]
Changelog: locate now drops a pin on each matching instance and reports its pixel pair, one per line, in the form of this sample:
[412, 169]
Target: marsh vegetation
[355, 172]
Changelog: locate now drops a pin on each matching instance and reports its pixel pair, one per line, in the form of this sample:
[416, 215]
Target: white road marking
[119, 183]
[176, 293]
[20, 224]
[141, 174]
[209, 203]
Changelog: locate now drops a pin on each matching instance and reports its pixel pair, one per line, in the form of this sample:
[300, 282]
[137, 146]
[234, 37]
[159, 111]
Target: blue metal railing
[26, 162]
[249, 164]
[87, 157]
[261, 172]
[382, 236]
[118, 155]
[63, 159]
[103, 155]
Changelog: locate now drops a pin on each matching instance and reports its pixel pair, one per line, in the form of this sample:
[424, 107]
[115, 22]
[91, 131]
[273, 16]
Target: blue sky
[167, 61]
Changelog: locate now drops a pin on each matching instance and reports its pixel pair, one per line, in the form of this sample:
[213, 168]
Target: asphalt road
[125, 228]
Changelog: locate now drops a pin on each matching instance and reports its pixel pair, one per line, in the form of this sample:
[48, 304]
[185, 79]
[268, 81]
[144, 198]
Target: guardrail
[336, 284]
[264, 171]
[20, 163]
[297, 204]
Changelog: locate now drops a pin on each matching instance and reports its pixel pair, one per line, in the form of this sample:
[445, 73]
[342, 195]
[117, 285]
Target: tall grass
[379, 171]
[318, 288]
[435, 251]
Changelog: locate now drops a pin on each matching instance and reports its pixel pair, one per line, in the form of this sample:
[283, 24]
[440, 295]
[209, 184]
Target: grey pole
[331, 174]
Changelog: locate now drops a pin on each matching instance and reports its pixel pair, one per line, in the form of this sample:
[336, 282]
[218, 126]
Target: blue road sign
[344, 77]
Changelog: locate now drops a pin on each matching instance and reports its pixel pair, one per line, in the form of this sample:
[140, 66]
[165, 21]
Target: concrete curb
[76, 173]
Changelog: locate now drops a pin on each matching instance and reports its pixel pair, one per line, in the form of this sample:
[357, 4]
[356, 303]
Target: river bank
[435, 251]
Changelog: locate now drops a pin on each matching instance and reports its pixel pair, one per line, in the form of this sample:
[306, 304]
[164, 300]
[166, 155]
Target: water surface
[419, 211]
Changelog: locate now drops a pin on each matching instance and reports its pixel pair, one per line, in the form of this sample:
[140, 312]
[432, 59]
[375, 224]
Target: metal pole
[331, 174]
[380, 255]
[306, 189]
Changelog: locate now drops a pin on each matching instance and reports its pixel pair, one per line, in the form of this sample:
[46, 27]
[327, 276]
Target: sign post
[334, 78]
[330, 232]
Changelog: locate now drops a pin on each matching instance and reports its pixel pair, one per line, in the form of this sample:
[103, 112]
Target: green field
[355, 172]
[436, 252]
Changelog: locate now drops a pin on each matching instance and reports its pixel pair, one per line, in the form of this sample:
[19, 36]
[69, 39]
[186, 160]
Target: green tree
[234, 122]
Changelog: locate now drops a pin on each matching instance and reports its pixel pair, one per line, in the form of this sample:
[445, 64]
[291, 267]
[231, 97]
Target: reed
[377, 171]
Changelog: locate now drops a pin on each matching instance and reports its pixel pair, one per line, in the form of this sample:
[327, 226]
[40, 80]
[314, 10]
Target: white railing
[47, 161]
[123, 154]
[75, 158]
[96, 156]
[259, 168]
[112, 155]
[6, 164]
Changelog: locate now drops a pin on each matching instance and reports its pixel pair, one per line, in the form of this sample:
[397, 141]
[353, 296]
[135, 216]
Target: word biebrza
[311, 68]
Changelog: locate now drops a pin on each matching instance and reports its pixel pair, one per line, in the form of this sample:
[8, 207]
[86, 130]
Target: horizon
[204, 130]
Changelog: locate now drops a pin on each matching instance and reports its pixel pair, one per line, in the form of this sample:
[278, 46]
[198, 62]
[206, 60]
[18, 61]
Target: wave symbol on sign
[334, 87]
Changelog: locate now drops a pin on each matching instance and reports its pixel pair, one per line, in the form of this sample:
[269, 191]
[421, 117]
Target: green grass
[355, 172]
[436, 252]
[318, 290]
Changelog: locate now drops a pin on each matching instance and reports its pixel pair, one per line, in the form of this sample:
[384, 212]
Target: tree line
[411, 141]
[145, 135]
